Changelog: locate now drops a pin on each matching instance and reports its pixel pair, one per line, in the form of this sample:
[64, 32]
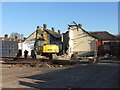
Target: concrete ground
[100, 75]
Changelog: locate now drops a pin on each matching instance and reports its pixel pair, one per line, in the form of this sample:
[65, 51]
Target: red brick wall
[100, 48]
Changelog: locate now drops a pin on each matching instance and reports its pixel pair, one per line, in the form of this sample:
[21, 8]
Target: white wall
[28, 44]
[80, 41]
[70, 35]
[20, 45]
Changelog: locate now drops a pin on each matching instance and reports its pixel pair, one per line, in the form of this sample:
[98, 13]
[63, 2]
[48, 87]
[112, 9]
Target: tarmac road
[83, 76]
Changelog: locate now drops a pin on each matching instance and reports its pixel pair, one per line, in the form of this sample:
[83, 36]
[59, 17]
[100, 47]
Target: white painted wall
[80, 41]
[20, 45]
[28, 44]
[70, 49]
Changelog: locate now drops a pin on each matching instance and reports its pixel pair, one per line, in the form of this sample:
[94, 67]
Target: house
[65, 37]
[8, 46]
[105, 42]
[76, 39]
[53, 38]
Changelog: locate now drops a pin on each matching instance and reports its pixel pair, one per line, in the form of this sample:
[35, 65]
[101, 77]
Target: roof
[81, 29]
[103, 35]
[100, 35]
[118, 36]
[31, 34]
[1, 38]
[10, 39]
[65, 32]
[54, 34]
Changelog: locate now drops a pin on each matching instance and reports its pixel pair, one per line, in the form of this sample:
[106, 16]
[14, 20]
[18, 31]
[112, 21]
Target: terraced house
[76, 39]
[52, 36]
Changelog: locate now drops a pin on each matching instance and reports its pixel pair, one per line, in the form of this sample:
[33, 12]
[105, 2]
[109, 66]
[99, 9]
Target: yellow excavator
[42, 45]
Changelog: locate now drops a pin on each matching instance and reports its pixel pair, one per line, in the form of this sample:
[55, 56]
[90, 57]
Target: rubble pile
[62, 57]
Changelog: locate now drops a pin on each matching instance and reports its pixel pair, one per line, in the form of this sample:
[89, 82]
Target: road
[99, 75]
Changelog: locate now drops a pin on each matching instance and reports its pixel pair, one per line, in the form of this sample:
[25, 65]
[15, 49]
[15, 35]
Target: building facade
[88, 43]
[29, 44]
[80, 41]
[8, 46]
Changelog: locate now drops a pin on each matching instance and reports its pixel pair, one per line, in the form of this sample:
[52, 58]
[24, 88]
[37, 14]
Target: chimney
[58, 31]
[44, 26]
[37, 27]
[80, 25]
[25, 38]
[68, 28]
[16, 38]
[53, 29]
[6, 36]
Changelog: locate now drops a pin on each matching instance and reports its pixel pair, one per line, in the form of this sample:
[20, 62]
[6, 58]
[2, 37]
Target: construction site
[50, 59]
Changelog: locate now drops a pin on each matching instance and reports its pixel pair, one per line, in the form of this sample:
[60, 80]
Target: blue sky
[23, 17]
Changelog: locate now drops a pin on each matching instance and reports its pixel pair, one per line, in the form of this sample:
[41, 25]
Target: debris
[48, 65]
[61, 65]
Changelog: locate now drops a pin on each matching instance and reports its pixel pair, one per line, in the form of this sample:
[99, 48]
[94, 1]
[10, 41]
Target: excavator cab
[42, 46]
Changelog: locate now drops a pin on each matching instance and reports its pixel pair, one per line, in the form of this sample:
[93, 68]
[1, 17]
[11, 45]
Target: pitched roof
[76, 26]
[118, 36]
[54, 34]
[103, 35]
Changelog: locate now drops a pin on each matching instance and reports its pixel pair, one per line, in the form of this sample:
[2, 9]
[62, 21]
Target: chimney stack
[80, 25]
[16, 38]
[44, 26]
[53, 29]
[37, 27]
[68, 28]
[58, 31]
[25, 38]
[6, 36]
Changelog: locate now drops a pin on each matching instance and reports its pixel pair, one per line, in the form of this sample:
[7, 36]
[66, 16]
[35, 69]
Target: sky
[24, 17]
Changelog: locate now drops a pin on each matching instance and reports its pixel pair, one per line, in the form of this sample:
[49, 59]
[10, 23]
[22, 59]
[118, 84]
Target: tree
[14, 34]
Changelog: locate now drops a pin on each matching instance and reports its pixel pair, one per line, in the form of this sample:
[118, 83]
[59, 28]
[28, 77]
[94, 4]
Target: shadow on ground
[83, 76]
[111, 60]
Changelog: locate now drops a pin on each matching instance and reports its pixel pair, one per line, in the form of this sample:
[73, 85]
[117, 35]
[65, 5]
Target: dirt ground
[100, 75]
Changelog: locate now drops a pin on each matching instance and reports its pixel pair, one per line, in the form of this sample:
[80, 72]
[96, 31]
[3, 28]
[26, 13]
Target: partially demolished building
[76, 39]
[79, 41]
[53, 38]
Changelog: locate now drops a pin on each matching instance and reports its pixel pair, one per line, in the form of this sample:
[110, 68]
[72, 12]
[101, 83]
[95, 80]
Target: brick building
[106, 43]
